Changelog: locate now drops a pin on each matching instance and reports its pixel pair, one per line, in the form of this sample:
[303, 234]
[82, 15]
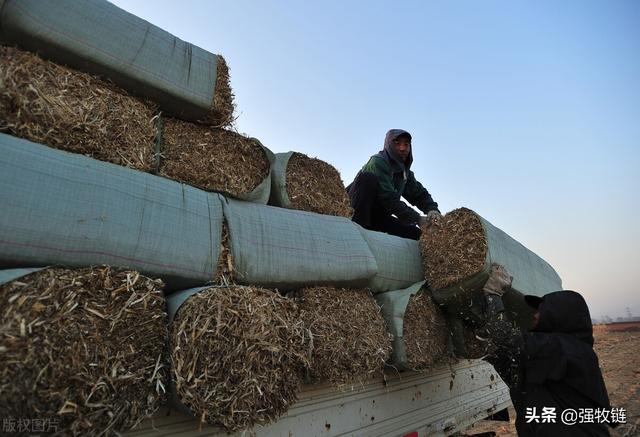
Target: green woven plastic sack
[279, 196]
[66, 209]
[398, 259]
[393, 305]
[13, 274]
[174, 301]
[277, 247]
[419, 328]
[100, 38]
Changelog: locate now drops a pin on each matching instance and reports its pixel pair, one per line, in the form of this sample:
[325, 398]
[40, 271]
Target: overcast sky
[526, 112]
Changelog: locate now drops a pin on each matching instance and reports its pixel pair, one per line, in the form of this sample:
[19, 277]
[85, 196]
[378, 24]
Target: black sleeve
[507, 341]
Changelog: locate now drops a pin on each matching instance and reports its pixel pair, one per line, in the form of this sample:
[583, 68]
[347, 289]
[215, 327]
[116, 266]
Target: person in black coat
[551, 368]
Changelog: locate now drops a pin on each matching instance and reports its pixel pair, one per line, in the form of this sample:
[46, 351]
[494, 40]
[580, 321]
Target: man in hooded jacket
[376, 191]
[551, 366]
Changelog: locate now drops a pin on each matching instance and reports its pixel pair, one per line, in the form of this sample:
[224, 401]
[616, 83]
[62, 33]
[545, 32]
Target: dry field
[617, 346]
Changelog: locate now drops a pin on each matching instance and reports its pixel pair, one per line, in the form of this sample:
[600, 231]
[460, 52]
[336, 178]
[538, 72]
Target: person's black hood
[565, 312]
[560, 347]
[389, 154]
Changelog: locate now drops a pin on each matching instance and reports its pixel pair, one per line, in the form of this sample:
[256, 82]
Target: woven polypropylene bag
[398, 259]
[67, 209]
[285, 248]
[100, 38]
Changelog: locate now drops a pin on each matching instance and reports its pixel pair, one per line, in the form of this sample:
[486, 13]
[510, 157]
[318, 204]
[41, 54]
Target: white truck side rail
[442, 401]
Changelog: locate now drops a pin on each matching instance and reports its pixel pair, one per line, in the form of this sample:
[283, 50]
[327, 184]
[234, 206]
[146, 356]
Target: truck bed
[442, 401]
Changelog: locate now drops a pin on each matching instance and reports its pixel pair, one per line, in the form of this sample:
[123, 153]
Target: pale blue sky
[526, 112]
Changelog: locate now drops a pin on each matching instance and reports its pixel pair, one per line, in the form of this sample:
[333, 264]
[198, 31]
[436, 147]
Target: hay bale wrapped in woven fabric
[237, 354]
[215, 160]
[84, 348]
[418, 326]
[288, 249]
[458, 252]
[50, 104]
[398, 259]
[349, 343]
[86, 212]
[308, 184]
[99, 38]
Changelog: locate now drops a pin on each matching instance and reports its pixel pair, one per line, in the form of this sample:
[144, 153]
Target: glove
[432, 217]
[499, 281]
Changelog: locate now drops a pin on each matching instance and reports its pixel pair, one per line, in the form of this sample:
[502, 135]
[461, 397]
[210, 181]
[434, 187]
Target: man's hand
[499, 281]
[432, 217]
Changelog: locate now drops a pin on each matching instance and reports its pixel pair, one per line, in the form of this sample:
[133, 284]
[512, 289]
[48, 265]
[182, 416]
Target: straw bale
[212, 159]
[349, 342]
[237, 355]
[316, 186]
[221, 111]
[84, 348]
[425, 332]
[453, 248]
[65, 109]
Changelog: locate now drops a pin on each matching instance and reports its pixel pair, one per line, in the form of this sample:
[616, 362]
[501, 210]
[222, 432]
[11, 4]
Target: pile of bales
[92, 347]
[81, 113]
[239, 354]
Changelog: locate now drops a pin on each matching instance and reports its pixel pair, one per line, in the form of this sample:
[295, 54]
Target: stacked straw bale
[84, 348]
[237, 355]
[349, 342]
[212, 159]
[454, 248]
[425, 332]
[69, 110]
[316, 186]
[65, 109]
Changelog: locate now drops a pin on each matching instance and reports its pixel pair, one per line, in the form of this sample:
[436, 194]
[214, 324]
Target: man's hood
[388, 152]
[566, 312]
